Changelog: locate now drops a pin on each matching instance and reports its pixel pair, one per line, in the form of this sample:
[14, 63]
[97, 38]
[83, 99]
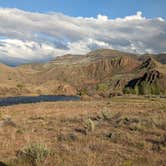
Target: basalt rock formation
[152, 81]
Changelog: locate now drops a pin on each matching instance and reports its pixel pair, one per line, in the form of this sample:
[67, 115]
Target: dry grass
[122, 132]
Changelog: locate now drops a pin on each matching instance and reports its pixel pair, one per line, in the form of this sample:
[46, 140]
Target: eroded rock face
[148, 64]
[120, 83]
[104, 68]
[151, 82]
[149, 77]
[152, 76]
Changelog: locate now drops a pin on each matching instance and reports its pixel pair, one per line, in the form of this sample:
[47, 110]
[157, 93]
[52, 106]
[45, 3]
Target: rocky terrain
[99, 73]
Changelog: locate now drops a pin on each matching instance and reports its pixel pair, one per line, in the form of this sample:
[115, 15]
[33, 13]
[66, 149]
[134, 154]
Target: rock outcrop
[152, 82]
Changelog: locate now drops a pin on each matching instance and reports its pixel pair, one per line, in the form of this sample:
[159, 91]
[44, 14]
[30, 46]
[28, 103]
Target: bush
[102, 87]
[83, 92]
[126, 90]
[20, 86]
[34, 154]
[146, 89]
[127, 163]
[143, 88]
[89, 125]
[105, 115]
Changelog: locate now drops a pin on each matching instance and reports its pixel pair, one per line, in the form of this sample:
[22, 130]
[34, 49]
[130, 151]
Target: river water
[35, 99]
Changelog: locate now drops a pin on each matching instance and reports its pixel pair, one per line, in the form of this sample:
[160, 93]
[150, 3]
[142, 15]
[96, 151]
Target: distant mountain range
[99, 73]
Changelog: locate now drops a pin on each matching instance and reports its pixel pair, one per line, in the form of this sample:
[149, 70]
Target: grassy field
[115, 132]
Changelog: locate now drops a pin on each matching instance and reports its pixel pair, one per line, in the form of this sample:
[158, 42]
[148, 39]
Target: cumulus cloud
[42, 36]
[138, 16]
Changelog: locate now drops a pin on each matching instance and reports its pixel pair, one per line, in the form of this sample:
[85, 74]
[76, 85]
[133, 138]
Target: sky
[91, 8]
[40, 30]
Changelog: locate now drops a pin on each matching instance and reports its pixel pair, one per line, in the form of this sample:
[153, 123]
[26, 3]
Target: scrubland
[114, 132]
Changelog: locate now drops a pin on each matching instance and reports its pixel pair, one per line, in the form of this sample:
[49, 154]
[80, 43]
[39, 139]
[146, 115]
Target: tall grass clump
[34, 154]
[89, 125]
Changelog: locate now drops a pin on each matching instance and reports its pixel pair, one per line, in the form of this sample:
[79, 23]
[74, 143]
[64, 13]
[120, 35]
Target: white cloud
[161, 19]
[36, 36]
[102, 18]
[138, 16]
[17, 49]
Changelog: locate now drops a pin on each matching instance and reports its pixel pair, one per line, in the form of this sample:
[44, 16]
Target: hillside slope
[84, 73]
[101, 72]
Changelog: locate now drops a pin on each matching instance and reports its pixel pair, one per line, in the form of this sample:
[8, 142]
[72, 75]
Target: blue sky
[40, 30]
[90, 8]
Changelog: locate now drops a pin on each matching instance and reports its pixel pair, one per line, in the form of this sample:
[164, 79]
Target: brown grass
[131, 132]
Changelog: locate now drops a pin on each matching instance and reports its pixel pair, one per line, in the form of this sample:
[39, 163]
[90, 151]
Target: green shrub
[102, 87]
[127, 163]
[34, 154]
[144, 89]
[83, 92]
[136, 89]
[126, 90]
[20, 86]
[155, 89]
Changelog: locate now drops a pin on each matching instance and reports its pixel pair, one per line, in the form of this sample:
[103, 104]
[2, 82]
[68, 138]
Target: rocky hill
[102, 72]
[152, 79]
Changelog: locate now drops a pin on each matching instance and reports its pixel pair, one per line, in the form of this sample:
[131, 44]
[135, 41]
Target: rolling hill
[102, 72]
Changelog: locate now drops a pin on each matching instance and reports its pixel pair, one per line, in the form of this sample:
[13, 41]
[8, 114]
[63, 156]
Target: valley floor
[114, 132]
